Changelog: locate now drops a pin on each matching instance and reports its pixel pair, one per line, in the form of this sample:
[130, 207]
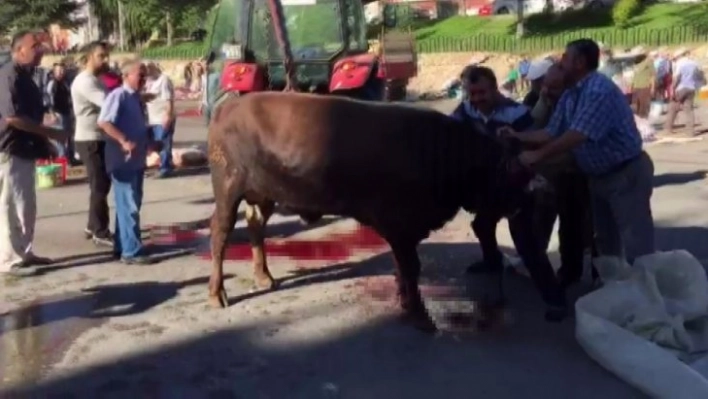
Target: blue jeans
[128, 194]
[164, 136]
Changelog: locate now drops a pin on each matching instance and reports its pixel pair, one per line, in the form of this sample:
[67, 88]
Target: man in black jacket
[23, 140]
[59, 97]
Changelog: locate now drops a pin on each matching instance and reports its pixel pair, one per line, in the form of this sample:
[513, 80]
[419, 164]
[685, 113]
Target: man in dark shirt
[59, 95]
[23, 140]
[488, 109]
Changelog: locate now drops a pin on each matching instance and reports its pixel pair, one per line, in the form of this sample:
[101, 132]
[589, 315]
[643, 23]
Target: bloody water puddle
[36, 336]
[334, 247]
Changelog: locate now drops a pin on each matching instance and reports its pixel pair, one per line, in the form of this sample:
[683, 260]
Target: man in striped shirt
[594, 122]
[486, 108]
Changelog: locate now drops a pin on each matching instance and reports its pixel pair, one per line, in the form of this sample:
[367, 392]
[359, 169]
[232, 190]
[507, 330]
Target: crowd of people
[110, 116]
[577, 128]
[667, 81]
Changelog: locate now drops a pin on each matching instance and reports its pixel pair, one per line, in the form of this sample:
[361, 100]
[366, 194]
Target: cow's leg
[407, 276]
[257, 216]
[227, 196]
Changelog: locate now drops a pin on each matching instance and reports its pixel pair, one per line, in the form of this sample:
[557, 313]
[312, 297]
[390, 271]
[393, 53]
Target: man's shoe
[103, 241]
[21, 270]
[139, 260]
[88, 234]
[163, 174]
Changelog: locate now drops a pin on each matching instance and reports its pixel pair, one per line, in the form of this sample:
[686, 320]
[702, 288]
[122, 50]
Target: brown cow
[401, 170]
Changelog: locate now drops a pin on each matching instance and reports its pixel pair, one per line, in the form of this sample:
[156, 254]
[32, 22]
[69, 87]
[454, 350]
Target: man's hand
[200, 110]
[529, 158]
[167, 123]
[128, 147]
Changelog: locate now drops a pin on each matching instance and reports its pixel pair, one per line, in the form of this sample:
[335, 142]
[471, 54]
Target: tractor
[313, 46]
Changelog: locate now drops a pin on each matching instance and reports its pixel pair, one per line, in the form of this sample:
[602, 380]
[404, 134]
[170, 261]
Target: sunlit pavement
[91, 327]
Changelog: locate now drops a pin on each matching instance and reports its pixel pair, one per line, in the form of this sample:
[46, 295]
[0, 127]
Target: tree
[37, 14]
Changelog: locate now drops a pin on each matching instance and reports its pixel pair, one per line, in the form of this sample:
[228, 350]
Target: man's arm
[109, 116]
[591, 121]
[168, 93]
[9, 106]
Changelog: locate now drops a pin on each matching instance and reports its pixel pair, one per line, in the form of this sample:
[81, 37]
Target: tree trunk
[519, 19]
[121, 27]
[170, 28]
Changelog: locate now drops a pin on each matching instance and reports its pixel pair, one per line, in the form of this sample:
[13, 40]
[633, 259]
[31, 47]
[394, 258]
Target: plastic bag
[656, 110]
[646, 130]
[646, 319]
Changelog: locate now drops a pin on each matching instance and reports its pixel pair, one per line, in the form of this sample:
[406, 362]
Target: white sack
[646, 319]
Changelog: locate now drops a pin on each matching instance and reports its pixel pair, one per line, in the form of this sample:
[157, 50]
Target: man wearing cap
[595, 124]
[687, 77]
[537, 70]
[486, 107]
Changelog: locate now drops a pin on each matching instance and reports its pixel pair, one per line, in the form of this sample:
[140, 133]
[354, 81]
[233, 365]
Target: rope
[281, 34]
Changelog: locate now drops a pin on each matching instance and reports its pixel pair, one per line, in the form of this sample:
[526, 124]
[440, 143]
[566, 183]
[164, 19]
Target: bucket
[48, 176]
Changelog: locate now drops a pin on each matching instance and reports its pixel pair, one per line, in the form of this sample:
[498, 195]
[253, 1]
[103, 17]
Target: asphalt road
[90, 327]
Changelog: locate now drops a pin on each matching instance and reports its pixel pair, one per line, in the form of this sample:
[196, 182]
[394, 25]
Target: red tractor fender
[242, 77]
[351, 72]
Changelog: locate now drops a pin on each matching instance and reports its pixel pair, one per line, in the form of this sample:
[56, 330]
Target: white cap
[538, 69]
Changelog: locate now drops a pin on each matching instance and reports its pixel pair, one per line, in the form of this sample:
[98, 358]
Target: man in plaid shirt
[595, 122]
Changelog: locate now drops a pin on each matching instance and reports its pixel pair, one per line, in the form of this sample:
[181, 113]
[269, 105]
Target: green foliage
[36, 14]
[624, 10]
[143, 18]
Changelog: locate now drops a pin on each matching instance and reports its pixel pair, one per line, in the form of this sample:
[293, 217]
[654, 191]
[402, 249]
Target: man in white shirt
[686, 76]
[87, 95]
[161, 114]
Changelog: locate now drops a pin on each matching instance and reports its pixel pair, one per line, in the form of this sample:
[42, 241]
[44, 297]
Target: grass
[654, 16]
[657, 24]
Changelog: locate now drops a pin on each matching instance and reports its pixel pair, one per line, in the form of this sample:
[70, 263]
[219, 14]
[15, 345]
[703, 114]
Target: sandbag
[648, 324]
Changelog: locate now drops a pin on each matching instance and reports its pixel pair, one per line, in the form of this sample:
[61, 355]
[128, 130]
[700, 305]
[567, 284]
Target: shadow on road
[379, 359]
[97, 302]
[672, 179]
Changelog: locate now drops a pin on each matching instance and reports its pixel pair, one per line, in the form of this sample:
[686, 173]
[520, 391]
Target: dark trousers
[67, 122]
[641, 102]
[527, 240]
[93, 155]
[524, 233]
[570, 203]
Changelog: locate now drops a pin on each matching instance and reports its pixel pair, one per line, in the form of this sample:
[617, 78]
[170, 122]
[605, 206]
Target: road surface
[92, 327]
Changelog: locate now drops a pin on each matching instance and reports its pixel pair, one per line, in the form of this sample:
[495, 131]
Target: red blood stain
[337, 247]
[189, 113]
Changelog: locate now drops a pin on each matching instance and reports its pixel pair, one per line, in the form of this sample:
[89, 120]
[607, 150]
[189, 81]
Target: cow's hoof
[420, 321]
[266, 283]
[219, 300]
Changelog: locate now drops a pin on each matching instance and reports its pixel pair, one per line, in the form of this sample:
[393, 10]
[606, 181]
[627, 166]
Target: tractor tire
[394, 91]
